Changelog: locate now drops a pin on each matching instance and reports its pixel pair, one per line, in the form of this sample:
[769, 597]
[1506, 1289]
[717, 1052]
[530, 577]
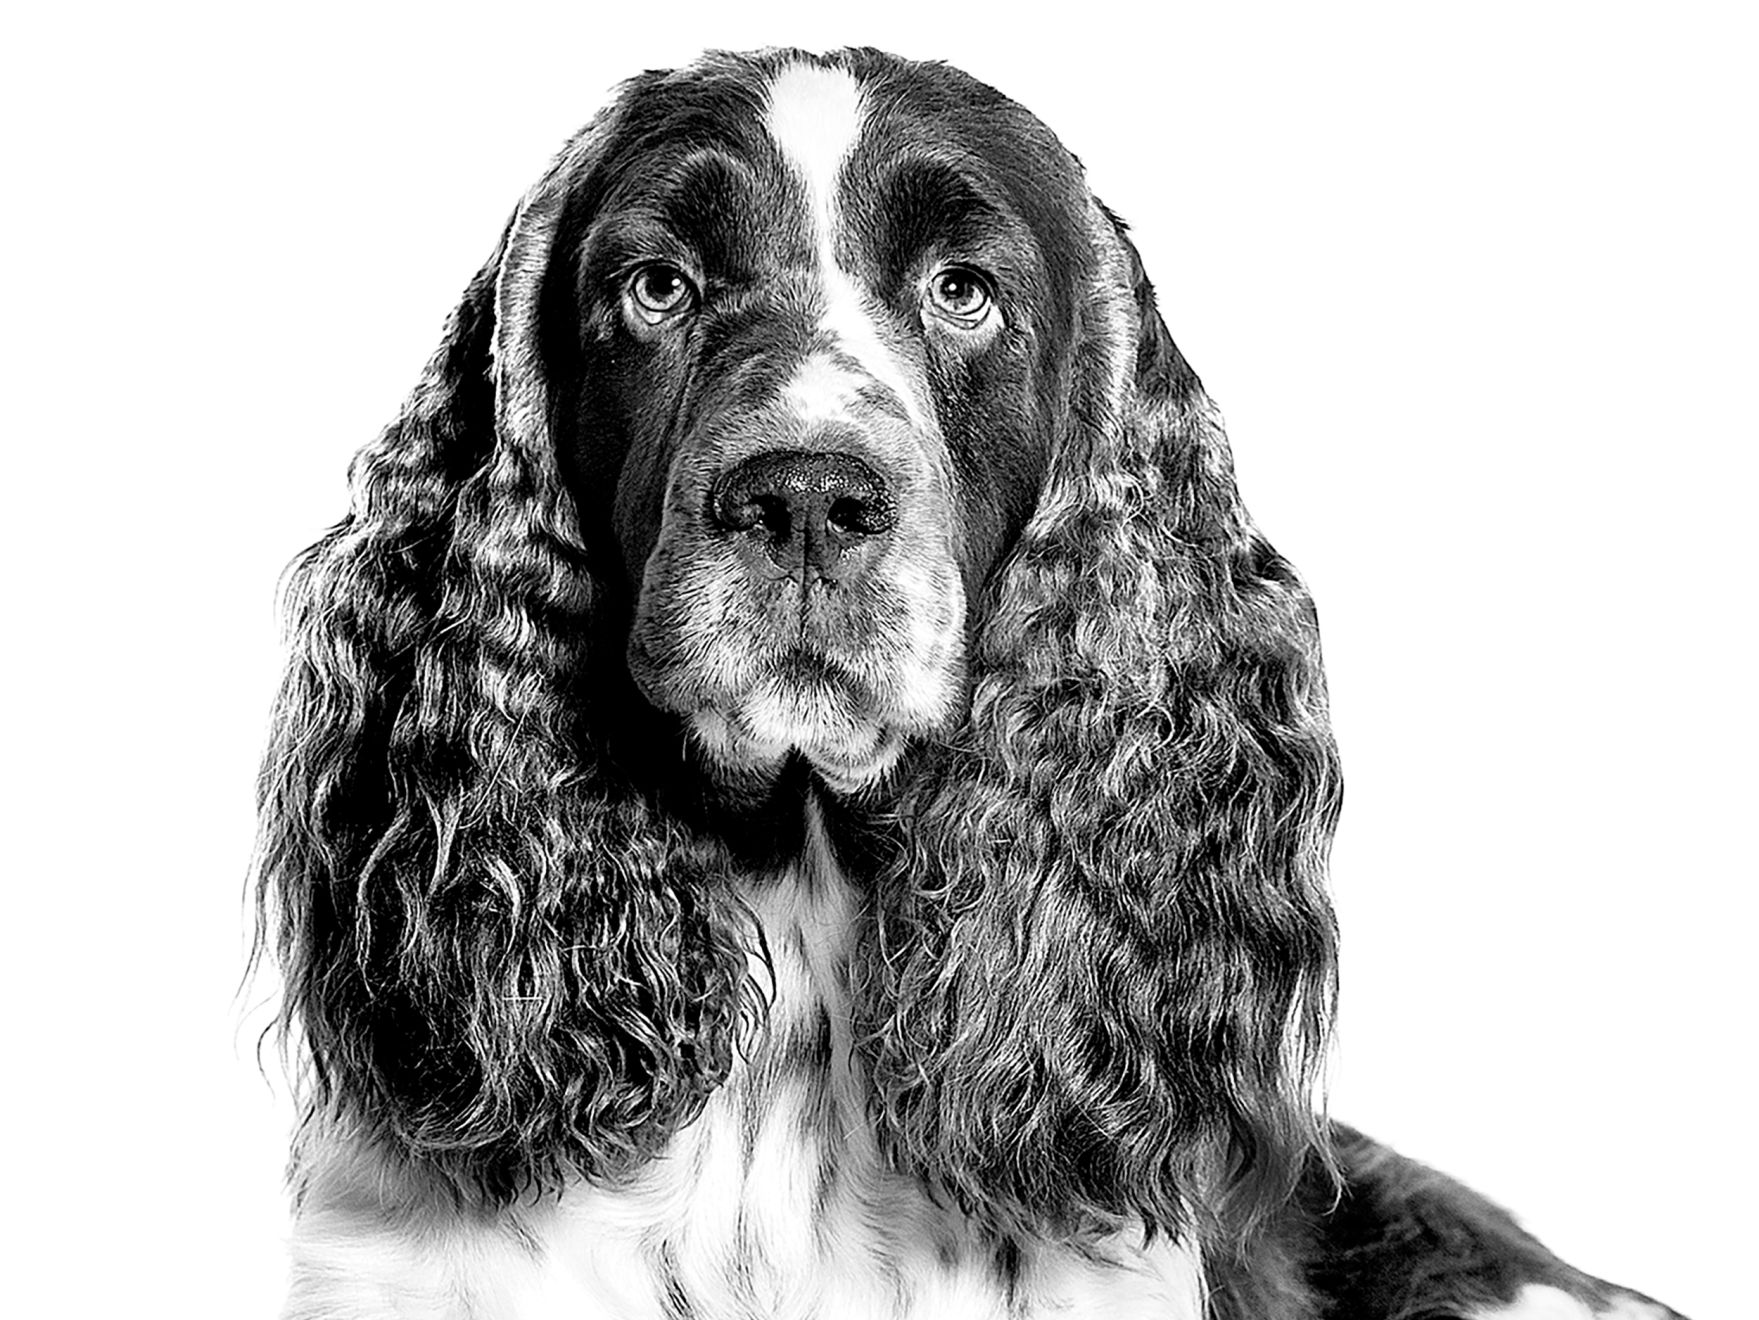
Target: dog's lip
[806, 667]
[811, 666]
[800, 665]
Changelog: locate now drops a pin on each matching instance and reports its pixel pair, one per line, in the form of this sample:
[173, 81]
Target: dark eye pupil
[662, 286]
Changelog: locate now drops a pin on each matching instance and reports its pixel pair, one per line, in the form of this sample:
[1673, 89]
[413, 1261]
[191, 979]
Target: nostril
[735, 508]
[777, 519]
[862, 517]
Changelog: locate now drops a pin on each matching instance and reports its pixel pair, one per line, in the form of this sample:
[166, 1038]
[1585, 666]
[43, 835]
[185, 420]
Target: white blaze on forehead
[816, 116]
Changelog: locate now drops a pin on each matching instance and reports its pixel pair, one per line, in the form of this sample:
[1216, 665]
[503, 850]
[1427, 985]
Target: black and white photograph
[899, 662]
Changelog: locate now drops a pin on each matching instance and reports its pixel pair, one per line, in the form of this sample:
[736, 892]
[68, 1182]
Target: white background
[1475, 287]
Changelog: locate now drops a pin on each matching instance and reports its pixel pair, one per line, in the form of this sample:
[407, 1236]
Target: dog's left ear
[1106, 964]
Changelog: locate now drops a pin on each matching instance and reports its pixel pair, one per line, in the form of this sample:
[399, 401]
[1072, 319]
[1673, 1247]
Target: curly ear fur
[503, 962]
[1106, 962]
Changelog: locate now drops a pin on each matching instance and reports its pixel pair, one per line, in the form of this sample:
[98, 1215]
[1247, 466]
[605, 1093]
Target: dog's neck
[787, 1206]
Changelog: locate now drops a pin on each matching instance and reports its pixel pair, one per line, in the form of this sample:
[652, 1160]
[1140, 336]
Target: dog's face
[828, 314]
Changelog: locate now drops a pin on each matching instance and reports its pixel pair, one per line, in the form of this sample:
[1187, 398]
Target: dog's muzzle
[803, 594]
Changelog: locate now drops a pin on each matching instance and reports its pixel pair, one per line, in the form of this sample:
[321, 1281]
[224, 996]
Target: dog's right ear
[1134, 824]
[502, 962]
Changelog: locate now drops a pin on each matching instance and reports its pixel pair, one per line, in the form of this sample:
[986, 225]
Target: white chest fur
[774, 1204]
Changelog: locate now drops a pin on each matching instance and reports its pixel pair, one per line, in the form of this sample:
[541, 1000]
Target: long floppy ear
[501, 960]
[1106, 965]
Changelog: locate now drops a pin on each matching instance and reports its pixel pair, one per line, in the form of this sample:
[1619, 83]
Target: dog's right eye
[659, 291]
[960, 297]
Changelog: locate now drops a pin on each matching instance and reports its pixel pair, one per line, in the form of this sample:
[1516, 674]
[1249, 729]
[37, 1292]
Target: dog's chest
[776, 1203]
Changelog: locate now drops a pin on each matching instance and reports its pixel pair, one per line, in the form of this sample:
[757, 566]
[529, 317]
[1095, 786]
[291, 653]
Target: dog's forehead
[817, 124]
[845, 126]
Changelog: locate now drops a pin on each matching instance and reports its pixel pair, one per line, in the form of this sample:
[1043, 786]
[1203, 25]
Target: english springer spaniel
[800, 791]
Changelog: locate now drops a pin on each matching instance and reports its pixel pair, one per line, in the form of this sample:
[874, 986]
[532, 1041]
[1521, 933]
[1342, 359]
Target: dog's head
[813, 425]
[813, 329]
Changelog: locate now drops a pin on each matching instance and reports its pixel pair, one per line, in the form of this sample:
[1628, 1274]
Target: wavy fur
[504, 962]
[1108, 955]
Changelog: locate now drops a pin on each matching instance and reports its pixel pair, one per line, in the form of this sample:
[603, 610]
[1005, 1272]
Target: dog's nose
[804, 508]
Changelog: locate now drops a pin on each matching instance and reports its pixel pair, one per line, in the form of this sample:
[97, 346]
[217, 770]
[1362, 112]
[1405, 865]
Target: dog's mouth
[846, 686]
[806, 703]
[809, 668]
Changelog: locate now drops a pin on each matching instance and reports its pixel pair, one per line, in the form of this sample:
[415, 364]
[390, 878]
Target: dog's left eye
[659, 291]
[960, 296]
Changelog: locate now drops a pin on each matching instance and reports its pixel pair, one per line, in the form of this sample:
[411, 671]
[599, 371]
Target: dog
[800, 791]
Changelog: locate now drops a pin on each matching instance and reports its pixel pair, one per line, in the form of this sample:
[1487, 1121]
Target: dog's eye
[659, 291]
[960, 296]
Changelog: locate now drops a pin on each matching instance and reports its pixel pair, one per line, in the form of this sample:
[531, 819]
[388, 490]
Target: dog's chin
[822, 720]
[798, 704]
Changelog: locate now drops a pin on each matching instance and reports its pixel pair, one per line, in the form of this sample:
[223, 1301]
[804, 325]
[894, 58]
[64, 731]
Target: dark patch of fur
[673, 1294]
[1005, 1264]
[1403, 1242]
